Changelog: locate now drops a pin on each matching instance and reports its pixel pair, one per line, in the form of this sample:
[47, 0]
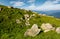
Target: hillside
[12, 24]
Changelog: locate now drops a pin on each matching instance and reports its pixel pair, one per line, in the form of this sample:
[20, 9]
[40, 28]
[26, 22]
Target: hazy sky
[39, 5]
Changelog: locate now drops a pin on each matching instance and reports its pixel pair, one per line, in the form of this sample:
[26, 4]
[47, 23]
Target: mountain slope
[9, 29]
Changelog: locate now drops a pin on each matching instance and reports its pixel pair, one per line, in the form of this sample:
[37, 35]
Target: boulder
[33, 31]
[58, 30]
[47, 27]
[34, 26]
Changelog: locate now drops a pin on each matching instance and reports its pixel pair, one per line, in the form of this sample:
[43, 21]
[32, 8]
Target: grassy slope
[9, 29]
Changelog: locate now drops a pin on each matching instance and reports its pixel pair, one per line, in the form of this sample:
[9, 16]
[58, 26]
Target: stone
[26, 16]
[34, 26]
[18, 21]
[43, 14]
[27, 23]
[58, 30]
[32, 15]
[27, 19]
[33, 31]
[47, 27]
[9, 6]
[53, 28]
[46, 30]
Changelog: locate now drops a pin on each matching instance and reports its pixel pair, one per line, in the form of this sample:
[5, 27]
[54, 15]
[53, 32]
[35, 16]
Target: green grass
[9, 29]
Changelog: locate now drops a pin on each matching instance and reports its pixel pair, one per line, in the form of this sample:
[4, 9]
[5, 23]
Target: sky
[38, 5]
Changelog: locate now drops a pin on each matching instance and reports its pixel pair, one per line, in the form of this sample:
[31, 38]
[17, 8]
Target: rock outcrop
[47, 27]
[33, 31]
[58, 30]
[26, 16]
[27, 19]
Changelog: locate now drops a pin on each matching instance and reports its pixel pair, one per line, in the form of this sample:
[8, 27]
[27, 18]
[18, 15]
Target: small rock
[9, 6]
[46, 30]
[58, 30]
[43, 14]
[27, 23]
[18, 21]
[32, 15]
[26, 16]
[33, 31]
[28, 19]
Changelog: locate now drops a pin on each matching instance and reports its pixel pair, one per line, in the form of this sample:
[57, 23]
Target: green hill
[9, 29]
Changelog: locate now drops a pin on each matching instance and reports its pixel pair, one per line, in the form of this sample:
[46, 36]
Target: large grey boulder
[33, 31]
[58, 30]
[47, 27]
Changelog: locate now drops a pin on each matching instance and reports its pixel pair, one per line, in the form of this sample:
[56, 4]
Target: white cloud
[31, 7]
[17, 3]
[57, 0]
[31, 1]
[48, 5]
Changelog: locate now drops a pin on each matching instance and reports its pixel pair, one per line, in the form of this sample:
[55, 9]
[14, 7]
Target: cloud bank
[46, 6]
[17, 3]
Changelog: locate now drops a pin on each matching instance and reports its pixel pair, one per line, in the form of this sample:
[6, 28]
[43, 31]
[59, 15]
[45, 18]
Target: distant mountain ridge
[55, 13]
